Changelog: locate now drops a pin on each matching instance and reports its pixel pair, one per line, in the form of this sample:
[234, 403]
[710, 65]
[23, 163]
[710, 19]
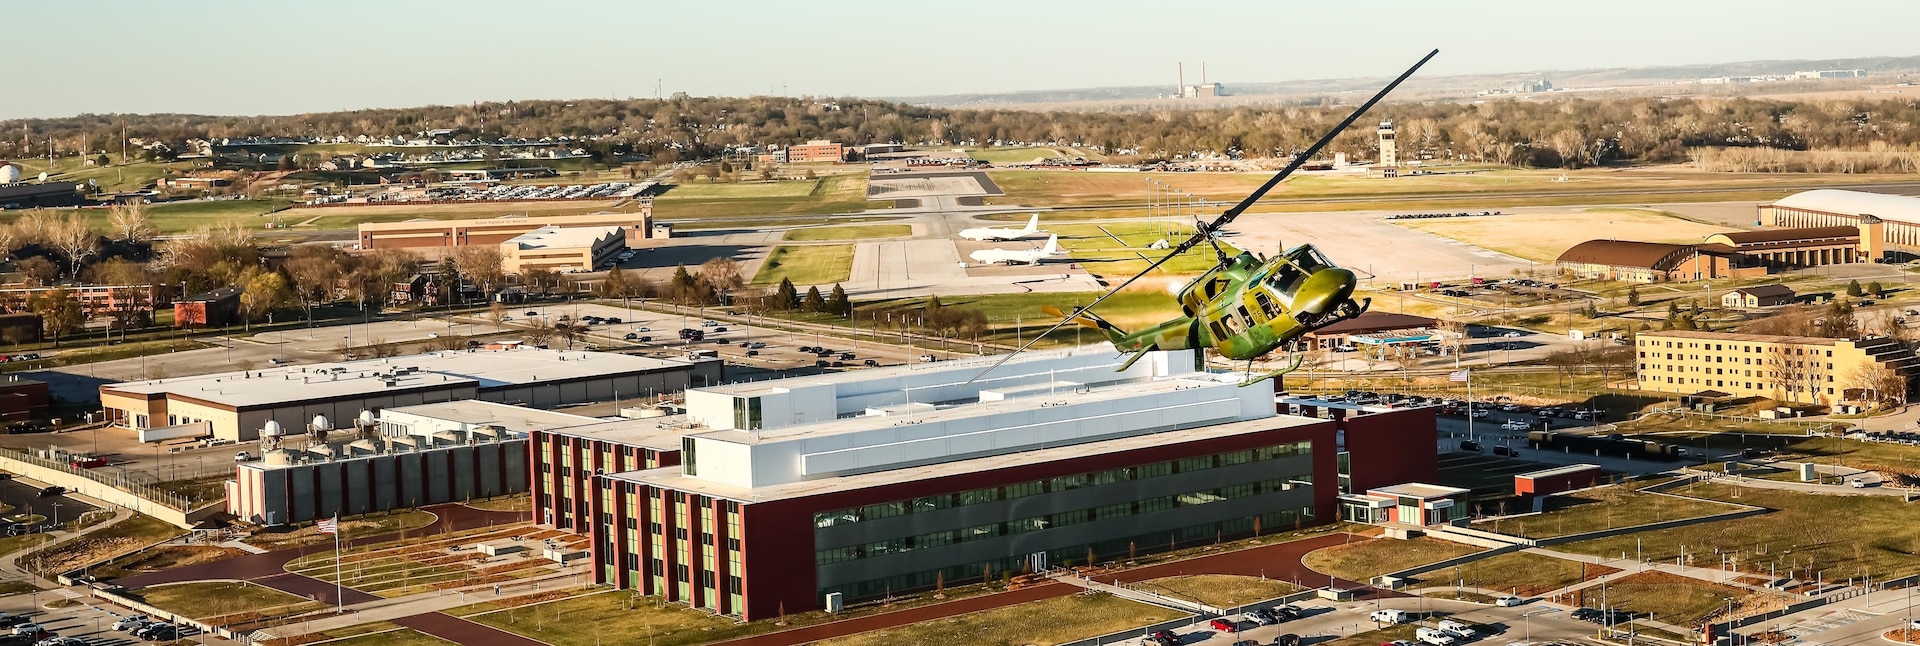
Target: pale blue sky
[63, 58]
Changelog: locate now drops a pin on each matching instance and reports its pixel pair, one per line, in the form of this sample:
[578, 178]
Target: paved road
[461, 631]
[25, 498]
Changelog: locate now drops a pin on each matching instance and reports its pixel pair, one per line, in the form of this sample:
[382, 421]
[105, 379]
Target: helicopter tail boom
[1089, 319]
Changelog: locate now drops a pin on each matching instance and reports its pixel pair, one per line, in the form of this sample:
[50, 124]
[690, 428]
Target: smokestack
[1203, 72]
[1181, 89]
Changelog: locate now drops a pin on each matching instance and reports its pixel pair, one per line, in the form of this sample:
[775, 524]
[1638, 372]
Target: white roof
[1893, 208]
[473, 411]
[550, 237]
[320, 381]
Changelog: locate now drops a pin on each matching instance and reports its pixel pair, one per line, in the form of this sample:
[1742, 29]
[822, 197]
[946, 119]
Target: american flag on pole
[328, 526]
[1458, 375]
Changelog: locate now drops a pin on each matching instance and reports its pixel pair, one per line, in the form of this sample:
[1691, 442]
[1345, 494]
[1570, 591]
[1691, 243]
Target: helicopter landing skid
[1292, 364]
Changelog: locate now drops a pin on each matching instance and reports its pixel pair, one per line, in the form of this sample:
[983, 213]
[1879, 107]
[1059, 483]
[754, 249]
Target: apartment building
[1807, 370]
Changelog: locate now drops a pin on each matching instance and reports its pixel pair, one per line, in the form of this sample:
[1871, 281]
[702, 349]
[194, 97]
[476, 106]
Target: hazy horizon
[231, 58]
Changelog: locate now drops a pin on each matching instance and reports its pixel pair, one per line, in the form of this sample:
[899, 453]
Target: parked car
[927, 358]
[1259, 618]
[871, 363]
[130, 623]
[1433, 636]
[753, 353]
[1391, 616]
[1286, 613]
[1508, 601]
[1513, 425]
[1505, 451]
[243, 456]
[1470, 445]
[631, 336]
[1286, 639]
[28, 628]
[758, 345]
[1456, 629]
[1857, 483]
[1224, 626]
[531, 314]
[52, 491]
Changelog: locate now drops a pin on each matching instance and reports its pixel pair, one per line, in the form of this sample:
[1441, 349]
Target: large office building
[1807, 370]
[426, 234]
[402, 457]
[775, 496]
[818, 150]
[238, 405]
[562, 249]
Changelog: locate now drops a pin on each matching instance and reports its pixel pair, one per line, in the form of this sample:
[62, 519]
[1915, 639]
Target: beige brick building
[1808, 370]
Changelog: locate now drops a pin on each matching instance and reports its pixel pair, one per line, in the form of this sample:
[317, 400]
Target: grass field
[843, 193]
[120, 538]
[1543, 237]
[1844, 536]
[1365, 559]
[1604, 509]
[859, 232]
[1517, 573]
[1518, 187]
[1668, 598]
[401, 637]
[212, 599]
[821, 265]
[615, 617]
[110, 178]
[1114, 251]
[1220, 590]
[1013, 155]
[1039, 623]
[350, 528]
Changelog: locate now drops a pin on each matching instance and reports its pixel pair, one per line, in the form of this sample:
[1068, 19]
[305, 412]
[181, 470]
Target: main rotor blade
[1301, 159]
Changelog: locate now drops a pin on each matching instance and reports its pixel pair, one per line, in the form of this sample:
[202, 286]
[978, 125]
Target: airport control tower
[1389, 155]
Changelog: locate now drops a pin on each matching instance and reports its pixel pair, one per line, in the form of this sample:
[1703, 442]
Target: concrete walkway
[428, 603]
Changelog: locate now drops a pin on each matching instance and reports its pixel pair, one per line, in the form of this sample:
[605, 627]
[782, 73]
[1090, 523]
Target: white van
[1391, 616]
[1433, 637]
[1456, 629]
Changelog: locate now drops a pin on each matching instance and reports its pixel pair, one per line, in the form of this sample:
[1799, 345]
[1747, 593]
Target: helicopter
[1246, 306]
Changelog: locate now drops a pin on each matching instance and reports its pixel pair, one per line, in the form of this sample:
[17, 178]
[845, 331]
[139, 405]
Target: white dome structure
[272, 429]
[9, 173]
[321, 423]
[366, 417]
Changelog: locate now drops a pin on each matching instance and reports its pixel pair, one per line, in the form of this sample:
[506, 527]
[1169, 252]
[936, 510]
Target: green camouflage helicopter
[1245, 306]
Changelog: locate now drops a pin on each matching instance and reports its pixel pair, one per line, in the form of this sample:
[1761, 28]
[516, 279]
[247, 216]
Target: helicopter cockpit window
[1287, 280]
[1310, 259]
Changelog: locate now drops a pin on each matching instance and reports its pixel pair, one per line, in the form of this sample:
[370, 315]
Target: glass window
[883, 510]
[1064, 483]
[1199, 498]
[1027, 525]
[1111, 476]
[1025, 489]
[1113, 511]
[1190, 465]
[931, 503]
[1236, 457]
[980, 532]
[1151, 505]
[1071, 517]
[1154, 470]
[978, 496]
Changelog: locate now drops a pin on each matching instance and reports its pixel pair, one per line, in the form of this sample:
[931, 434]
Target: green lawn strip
[862, 232]
[1040, 623]
[1517, 573]
[1845, 536]
[1885, 456]
[809, 265]
[401, 637]
[212, 599]
[1364, 559]
[73, 356]
[1220, 590]
[1600, 509]
[1013, 155]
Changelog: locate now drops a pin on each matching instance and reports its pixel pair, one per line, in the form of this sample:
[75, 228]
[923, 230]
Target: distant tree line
[1561, 133]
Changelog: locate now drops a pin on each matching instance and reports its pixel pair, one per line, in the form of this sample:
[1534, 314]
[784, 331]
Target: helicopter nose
[1324, 290]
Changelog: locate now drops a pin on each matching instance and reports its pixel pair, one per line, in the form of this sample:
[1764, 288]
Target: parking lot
[1324, 621]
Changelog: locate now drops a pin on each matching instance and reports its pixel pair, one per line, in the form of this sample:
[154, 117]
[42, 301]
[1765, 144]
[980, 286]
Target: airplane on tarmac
[1002, 233]
[1019, 256]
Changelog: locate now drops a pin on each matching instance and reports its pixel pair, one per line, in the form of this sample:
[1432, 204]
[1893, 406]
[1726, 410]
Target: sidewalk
[420, 604]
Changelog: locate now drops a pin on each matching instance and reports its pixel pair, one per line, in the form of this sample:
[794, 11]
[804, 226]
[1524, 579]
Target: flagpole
[339, 600]
[1470, 405]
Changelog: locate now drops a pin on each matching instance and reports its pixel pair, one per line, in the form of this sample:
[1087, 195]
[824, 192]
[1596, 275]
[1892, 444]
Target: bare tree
[482, 265]
[1787, 371]
[130, 222]
[75, 239]
[315, 272]
[721, 275]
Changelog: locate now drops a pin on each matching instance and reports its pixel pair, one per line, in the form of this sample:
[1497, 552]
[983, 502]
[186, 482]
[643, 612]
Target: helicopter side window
[1227, 322]
[1267, 306]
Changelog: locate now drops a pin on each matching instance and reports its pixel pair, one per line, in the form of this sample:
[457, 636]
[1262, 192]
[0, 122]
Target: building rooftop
[551, 237]
[321, 381]
[672, 478]
[1896, 208]
[657, 433]
[1733, 336]
[1621, 253]
[1375, 322]
[1766, 290]
[1788, 235]
[519, 419]
[1419, 490]
[1559, 471]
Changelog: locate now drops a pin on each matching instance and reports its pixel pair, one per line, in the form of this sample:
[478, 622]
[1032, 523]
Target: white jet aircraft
[1019, 256]
[984, 234]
